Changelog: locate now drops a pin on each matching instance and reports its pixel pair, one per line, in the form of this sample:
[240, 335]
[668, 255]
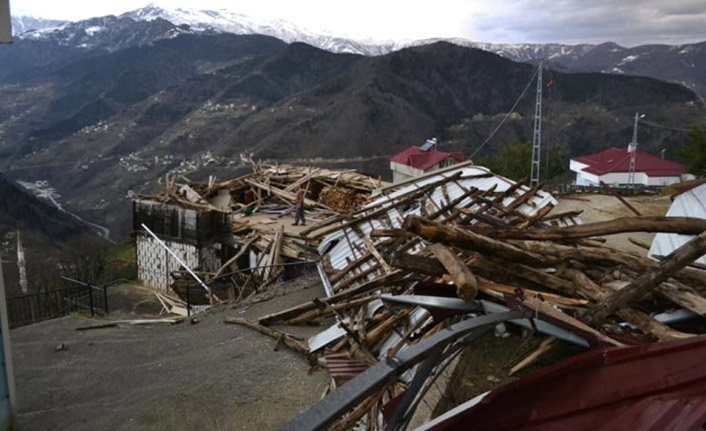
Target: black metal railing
[80, 291]
[27, 309]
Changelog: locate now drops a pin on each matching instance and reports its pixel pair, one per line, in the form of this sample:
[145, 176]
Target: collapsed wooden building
[218, 228]
[419, 269]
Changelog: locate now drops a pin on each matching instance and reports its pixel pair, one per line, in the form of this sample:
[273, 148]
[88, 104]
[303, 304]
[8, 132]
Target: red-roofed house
[612, 166]
[415, 161]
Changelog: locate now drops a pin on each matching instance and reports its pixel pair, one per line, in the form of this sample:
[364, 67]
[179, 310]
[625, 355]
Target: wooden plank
[371, 248]
[245, 247]
[345, 295]
[287, 339]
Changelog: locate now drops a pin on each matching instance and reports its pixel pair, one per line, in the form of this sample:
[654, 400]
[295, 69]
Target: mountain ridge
[107, 124]
[684, 64]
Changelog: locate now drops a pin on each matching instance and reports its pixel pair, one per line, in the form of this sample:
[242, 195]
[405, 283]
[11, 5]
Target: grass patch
[671, 189]
[125, 251]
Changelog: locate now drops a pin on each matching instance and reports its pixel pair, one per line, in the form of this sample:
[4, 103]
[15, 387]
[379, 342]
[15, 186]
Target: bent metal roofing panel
[349, 244]
[691, 203]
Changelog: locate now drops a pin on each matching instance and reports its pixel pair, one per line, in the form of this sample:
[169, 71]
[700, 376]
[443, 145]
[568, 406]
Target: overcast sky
[627, 22]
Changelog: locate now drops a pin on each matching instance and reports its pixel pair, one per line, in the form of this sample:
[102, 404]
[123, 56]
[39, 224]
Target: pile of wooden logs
[490, 251]
[461, 240]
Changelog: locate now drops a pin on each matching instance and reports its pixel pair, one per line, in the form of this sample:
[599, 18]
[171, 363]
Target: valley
[103, 108]
[226, 219]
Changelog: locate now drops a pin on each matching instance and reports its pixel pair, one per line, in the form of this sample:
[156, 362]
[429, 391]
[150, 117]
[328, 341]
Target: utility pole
[632, 149]
[7, 381]
[537, 136]
[21, 264]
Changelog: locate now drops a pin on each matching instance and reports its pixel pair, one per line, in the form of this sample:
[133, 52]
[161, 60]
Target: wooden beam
[282, 337]
[615, 194]
[679, 225]
[465, 281]
[233, 259]
[653, 277]
[449, 235]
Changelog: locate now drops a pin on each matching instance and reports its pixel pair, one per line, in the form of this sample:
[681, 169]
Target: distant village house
[612, 166]
[415, 161]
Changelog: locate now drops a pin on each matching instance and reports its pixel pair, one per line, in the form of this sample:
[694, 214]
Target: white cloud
[568, 21]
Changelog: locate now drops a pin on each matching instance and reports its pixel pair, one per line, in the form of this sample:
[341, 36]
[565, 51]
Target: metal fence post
[188, 307]
[90, 297]
[105, 298]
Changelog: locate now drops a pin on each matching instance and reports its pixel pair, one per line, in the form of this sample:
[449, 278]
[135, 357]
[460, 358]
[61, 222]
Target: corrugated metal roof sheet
[350, 242]
[689, 204]
[648, 387]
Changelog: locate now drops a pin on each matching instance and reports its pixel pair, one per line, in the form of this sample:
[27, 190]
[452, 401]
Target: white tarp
[5, 30]
[691, 203]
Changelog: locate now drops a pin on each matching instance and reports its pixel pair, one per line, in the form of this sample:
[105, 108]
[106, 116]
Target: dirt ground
[485, 365]
[208, 375]
[597, 208]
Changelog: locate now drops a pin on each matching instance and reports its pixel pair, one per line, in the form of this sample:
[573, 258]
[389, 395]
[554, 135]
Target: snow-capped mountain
[232, 22]
[21, 24]
[108, 33]
[684, 64]
[237, 23]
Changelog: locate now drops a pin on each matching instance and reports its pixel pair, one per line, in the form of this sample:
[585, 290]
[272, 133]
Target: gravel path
[209, 375]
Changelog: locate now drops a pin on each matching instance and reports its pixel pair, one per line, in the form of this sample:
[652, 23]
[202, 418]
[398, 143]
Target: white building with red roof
[612, 166]
[415, 161]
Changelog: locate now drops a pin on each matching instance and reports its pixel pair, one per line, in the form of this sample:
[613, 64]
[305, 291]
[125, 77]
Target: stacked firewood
[342, 199]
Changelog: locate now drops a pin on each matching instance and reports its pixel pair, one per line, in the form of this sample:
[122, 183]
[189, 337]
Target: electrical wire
[659, 126]
[507, 115]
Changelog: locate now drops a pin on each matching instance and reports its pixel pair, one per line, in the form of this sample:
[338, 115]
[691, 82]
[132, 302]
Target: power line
[507, 115]
[659, 126]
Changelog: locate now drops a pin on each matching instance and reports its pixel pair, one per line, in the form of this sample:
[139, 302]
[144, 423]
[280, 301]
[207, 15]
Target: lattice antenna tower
[537, 135]
[632, 149]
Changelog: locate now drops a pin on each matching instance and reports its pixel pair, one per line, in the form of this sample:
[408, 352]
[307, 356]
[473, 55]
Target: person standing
[299, 215]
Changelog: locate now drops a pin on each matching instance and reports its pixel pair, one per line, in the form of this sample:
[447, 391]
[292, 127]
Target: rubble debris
[222, 229]
[447, 250]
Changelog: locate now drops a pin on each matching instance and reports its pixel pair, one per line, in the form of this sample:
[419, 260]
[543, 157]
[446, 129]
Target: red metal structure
[648, 387]
[617, 160]
[420, 159]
